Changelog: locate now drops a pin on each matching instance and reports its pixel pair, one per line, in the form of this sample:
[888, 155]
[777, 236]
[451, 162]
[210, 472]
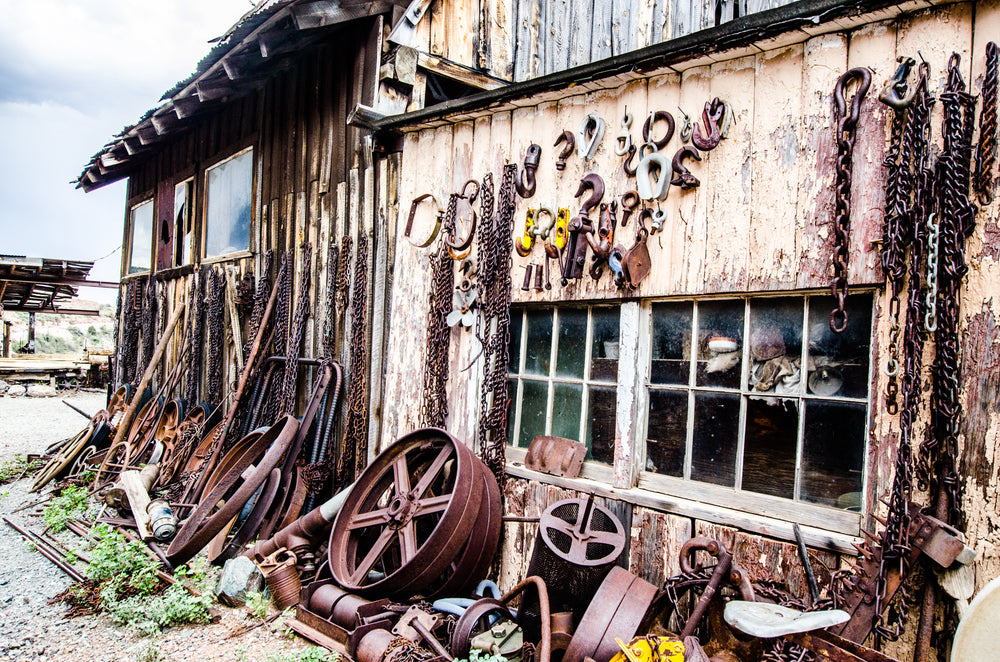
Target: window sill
[175, 272]
[674, 505]
[228, 257]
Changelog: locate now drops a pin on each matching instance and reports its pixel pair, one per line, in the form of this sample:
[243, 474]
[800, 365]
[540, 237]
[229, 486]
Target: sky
[73, 73]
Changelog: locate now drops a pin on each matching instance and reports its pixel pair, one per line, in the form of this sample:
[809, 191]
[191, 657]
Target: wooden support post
[31, 333]
[6, 340]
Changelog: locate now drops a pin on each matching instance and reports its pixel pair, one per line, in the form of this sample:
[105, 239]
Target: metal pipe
[78, 410]
[806, 564]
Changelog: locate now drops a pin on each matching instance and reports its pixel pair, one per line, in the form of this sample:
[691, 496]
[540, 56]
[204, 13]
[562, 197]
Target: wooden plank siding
[761, 221]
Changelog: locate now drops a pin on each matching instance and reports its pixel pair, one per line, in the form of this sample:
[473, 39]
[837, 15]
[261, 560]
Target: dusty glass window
[756, 394]
[183, 224]
[228, 192]
[563, 371]
[141, 240]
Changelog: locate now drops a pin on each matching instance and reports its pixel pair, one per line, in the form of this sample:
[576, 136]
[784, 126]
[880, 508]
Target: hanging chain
[986, 150]
[279, 333]
[493, 323]
[434, 409]
[216, 332]
[343, 278]
[148, 322]
[846, 133]
[289, 381]
[194, 341]
[930, 306]
[260, 297]
[355, 446]
[330, 321]
[129, 348]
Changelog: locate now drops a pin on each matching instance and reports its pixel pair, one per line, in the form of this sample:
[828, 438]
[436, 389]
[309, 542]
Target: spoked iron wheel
[409, 516]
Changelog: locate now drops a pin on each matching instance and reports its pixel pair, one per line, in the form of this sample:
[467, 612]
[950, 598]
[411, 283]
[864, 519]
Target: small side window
[228, 192]
[141, 240]
[183, 224]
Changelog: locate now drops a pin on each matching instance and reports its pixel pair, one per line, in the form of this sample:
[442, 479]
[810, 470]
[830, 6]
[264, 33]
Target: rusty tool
[524, 184]
[525, 286]
[630, 202]
[569, 144]
[653, 164]
[647, 128]
[721, 573]
[627, 166]
[682, 176]
[624, 138]
[435, 227]
[557, 456]
[710, 116]
[616, 612]
[590, 133]
[476, 619]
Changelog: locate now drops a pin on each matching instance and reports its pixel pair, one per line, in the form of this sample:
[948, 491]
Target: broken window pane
[838, 362]
[572, 348]
[142, 238]
[720, 343]
[776, 346]
[534, 398]
[229, 188]
[601, 424]
[769, 446]
[514, 348]
[833, 454]
[716, 434]
[538, 354]
[667, 432]
[604, 349]
[671, 346]
[183, 226]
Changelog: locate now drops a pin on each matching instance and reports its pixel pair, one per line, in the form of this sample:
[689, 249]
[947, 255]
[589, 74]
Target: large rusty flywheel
[423, 518]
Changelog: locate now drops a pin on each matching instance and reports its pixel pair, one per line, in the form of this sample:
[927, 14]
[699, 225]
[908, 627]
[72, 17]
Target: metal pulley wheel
[617, 611]
[171, 465]
[478, 618]
[409, 518]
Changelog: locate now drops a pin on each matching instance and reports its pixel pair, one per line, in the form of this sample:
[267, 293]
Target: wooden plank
[453, 71]
[601, 35]
[559, 39]
[655, 540]
[499, 17]
[693, 207]
[775, 140]
[581, 27]
[527, 52]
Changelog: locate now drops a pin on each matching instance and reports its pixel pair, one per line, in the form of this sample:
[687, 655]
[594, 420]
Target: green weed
[72, 501]
[18, 466]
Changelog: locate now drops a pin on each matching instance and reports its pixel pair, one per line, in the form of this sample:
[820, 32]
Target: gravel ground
[31, 629]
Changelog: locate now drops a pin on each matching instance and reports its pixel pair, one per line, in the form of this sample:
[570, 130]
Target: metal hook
[564, 137]
[591, 133]
[659, 190]
[624, 136]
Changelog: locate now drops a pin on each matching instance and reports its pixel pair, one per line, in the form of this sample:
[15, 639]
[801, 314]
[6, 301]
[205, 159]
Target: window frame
[824, 526]
[203, 225]
[192, 258]
[139, 201]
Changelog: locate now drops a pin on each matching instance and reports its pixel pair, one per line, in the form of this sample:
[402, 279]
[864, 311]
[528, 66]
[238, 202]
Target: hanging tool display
[624, 137]
[589, 136]
[574, 256]
[534, 229]
[845, 132]
[603, 240]
[647, 129]
[710, 118]
[525, 184]
[568, 141]
[986, 149]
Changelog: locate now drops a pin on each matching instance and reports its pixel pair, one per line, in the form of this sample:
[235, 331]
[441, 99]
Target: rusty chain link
[216, 332]
[279, 331]
[355, 447]
[434, 405]
[260, 297]
[330, 319]
[191, 381]
[986, 150]
[846, 133]
[289, 379]
[148, 323]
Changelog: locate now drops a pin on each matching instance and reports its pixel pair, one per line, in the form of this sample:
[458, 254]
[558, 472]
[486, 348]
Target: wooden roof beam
[457, 72]
[186, 106]
[405, 30]
[213, 90]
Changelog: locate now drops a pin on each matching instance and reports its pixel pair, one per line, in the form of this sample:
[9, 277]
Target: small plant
[151, 615]
[476, 655]
[18, 466]
[72, 501]
[308, 654]
[257, 604]
[241, 653]
[147, 651]
[120, 564]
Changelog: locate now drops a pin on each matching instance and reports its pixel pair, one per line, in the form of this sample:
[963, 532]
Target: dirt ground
[32, 629]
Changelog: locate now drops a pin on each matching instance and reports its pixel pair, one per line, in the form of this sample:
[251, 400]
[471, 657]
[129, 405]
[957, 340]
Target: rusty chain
[493, 322]
[216, 332]
[986, 150]
[194, 335]
[434, 406]
[343, 278]
[354, 456]
[279, 333]
[289, 380]
[260, 297]
[148, 323]
[330, 319]
[129, 347]
[846, 133]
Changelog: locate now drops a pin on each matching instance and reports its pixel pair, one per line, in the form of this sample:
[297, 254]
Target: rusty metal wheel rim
[390, 525]
[471, 623]
[118, 402]
[170, 467]
[579, 543]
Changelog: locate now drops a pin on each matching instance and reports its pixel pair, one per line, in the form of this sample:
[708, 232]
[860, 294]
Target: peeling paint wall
[760, 221]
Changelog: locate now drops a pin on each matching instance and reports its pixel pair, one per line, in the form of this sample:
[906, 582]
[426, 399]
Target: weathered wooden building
[714, 398]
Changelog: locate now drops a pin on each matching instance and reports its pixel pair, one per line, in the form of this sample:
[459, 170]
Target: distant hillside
[65, 334]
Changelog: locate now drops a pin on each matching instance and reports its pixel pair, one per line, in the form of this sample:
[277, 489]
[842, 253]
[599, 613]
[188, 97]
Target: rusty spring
[434, 408]
[355, 446]
[986, 150]
[493, 323]
[289, 381]
[846, 133]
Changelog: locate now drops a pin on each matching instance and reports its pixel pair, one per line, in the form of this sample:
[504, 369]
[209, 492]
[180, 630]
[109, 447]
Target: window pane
[183, 234]
[228, 194]
[604, 350]
[776, 345]
[566, 407]
[671, 343]
[667, 432]
[720, 341]
[514, 349]
[601, 424]
[833, 454]
[769, 447]
[538, 355]
[511, 409]
[142, 237]
[572, 342]
[716, 429]
[533, 401]
[838, 362]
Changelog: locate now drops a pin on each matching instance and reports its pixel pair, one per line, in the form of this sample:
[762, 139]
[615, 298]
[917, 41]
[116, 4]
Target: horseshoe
[627, 166]
[710, 116]
[657, 161]
[564, 137]
[591, 133]
[647, 128]
[525, 185]
[624, 136]
[595, 183]
[682, 176]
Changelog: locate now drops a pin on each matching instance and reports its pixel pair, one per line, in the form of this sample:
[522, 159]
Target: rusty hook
[686, 127]
[710, 116]
[683, 176]
[894, 93]
[627, 166]
[864, 78]
[595, 183]
[647, 128]
[630, 202]
[568, 138]
[465, 187]
[525, 183]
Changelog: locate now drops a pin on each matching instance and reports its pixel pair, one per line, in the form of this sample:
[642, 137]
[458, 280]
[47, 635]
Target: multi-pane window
[141, 239]
[757, 394]
[183, 224]
[229, 192]
[563, 376]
